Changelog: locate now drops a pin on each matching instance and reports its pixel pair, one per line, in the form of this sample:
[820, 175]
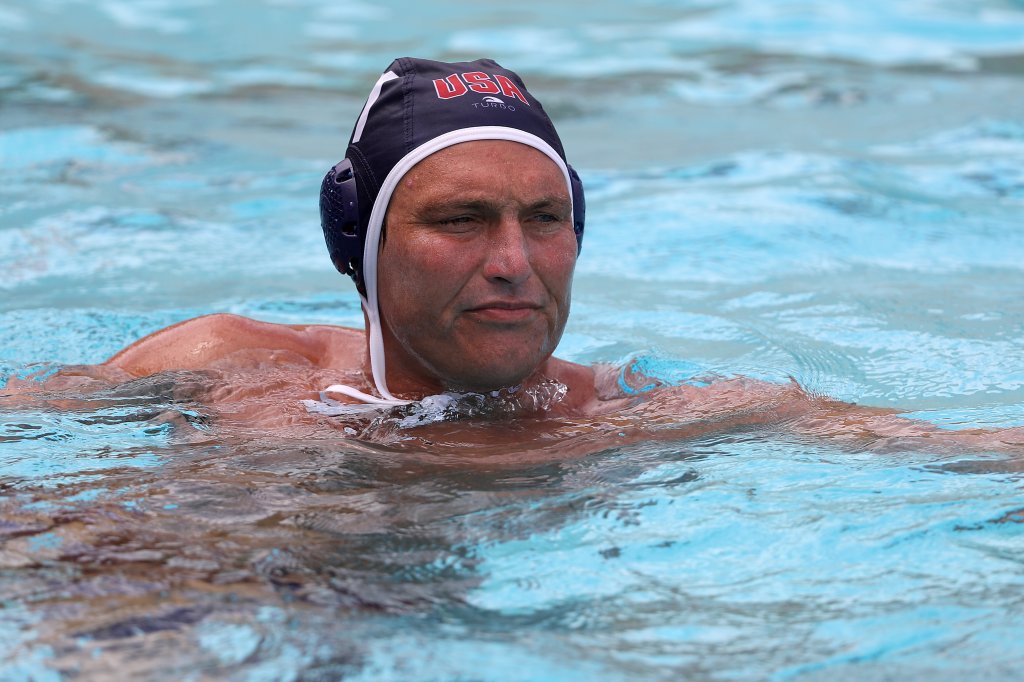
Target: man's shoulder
[581, 380]
[225, 339]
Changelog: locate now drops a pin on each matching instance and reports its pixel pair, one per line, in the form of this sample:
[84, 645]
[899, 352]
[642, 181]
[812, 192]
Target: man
[459, 219]
[471, 291]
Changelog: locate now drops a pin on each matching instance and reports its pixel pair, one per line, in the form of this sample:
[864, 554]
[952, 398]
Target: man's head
[426, 119]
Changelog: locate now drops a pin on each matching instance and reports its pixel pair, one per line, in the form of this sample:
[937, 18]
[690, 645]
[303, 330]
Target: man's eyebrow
[442, 206]
[554, 200]
[439, 206]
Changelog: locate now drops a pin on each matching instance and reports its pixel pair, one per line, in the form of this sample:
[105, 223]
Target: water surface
[825, 191]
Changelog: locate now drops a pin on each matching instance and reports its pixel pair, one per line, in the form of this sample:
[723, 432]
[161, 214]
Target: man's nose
[508, 255]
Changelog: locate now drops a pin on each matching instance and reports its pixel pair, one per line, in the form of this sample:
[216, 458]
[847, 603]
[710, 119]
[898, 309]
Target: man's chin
[484, 385]
[483, 362]
[483, 379]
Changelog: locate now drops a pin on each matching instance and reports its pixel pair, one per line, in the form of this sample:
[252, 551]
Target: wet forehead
[485, 168]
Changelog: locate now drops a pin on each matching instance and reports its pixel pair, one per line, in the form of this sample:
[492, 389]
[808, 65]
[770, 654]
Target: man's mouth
[504, 311]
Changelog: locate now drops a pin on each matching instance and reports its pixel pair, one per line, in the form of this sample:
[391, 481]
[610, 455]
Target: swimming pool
[825, 191]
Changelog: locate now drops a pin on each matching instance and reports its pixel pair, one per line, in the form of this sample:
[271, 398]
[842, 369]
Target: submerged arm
[66, 389]
[739, 403]
[865, 428]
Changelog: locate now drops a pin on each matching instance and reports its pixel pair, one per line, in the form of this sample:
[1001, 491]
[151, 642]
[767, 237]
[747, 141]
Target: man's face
[475, 271]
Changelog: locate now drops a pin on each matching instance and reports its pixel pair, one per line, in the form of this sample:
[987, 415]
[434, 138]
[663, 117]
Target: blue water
[828, 191]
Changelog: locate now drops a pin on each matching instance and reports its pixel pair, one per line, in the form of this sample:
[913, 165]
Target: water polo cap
[416, 108]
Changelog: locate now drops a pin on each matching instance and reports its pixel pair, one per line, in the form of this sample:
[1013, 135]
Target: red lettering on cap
[509, 89]
[449, 87]
[480, 82]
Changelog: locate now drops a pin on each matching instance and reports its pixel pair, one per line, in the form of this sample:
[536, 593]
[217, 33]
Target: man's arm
[875, 430]
[742, 402]
[218, 341]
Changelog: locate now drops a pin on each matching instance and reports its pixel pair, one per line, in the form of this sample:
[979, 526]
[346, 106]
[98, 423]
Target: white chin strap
[373, 230]
[376, 353]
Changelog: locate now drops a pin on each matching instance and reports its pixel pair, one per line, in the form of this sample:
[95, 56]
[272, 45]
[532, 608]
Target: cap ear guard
[339, 218]
[579, 207]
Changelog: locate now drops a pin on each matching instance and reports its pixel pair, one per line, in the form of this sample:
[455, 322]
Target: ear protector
[339, 218]
[346, 236]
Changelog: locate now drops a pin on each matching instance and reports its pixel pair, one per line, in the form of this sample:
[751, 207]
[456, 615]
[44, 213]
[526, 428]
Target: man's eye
[548, 221]
[462, 222]
[456, 220]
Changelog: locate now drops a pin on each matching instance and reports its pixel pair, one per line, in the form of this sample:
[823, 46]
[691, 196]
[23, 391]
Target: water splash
[501, 404]
[449, 406]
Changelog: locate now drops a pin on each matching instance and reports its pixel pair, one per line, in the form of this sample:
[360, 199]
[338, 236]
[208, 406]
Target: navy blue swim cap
[416, 108]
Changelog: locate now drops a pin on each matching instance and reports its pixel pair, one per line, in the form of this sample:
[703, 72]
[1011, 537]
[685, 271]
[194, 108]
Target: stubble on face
[476, 271]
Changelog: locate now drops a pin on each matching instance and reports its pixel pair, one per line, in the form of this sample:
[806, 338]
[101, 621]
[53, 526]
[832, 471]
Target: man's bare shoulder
[580, 380]
[225, 340]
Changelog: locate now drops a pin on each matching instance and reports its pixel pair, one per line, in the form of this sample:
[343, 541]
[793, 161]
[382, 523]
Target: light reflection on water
[825, 191]
[722, 553]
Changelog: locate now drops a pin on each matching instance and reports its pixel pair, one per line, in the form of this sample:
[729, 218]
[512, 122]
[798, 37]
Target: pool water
[826, 191]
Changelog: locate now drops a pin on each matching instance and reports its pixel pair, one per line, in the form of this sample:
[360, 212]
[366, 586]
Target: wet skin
[475, 280]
